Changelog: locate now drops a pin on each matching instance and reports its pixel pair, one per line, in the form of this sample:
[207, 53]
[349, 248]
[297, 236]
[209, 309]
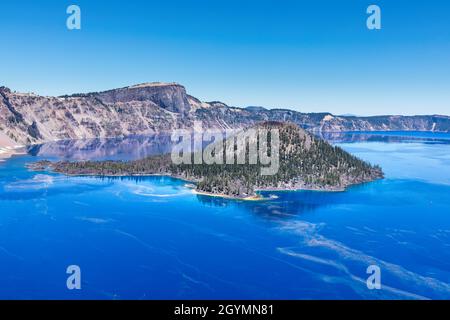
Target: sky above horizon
[310, 56]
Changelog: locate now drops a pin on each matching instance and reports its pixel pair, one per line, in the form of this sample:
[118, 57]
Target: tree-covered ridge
[305, 162]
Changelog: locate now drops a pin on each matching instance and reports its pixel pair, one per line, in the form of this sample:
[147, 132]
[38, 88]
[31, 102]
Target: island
[305, 162]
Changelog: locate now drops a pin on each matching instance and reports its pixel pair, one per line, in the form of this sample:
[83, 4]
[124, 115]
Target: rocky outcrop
[171, 97]
[156, 107]
[137, 110]
[303, 161]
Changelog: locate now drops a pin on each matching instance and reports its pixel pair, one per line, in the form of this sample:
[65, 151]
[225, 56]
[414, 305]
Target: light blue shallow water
[152, 238]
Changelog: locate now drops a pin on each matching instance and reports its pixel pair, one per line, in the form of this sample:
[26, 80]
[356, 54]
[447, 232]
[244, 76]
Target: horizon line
[174, 83]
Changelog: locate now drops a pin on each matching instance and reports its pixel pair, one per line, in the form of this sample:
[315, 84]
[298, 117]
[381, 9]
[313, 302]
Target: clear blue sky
[311, 55]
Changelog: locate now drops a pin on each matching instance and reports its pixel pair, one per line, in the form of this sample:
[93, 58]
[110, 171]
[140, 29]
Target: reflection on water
[137, 147]
[285, 205]
[133, 147]
[386, 137]
[279, 205]
[151, 238]
[125, 148]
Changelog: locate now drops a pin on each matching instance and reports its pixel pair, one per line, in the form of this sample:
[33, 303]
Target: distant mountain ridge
[154, 107]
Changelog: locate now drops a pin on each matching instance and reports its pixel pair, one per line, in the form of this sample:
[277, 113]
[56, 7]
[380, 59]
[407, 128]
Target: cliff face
[386, 123]
[139, 110]
[153, 107]
[171, 97]
[326, 122]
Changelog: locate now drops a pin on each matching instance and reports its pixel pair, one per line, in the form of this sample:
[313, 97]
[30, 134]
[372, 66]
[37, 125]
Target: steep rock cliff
[155, 107]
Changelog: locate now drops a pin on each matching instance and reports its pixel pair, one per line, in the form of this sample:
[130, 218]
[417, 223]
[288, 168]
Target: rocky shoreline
[192, 184]
[305, 163]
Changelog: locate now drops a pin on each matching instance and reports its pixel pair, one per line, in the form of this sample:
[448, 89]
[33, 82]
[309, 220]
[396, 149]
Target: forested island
[305, 162]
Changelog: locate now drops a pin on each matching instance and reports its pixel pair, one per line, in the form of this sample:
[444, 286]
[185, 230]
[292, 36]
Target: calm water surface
[151, 238]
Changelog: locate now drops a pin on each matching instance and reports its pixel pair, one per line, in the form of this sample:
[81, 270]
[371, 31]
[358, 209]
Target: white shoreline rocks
[304, 162]
[8, 147]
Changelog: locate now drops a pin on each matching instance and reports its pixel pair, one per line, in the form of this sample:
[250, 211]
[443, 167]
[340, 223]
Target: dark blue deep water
[152, 238]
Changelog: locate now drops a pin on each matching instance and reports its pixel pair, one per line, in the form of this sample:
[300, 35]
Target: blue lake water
[151, 238]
